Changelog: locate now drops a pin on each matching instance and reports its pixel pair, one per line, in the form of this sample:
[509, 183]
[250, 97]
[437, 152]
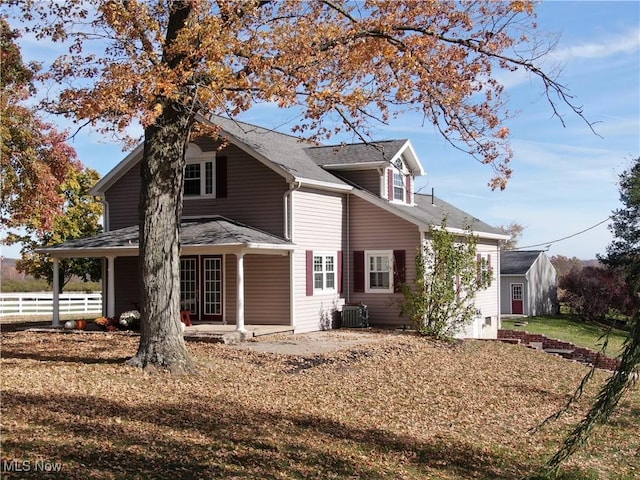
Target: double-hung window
[398, 185]
[485, 272]
[198, 178]
[200, 173]
[324, 272]
[379, 273]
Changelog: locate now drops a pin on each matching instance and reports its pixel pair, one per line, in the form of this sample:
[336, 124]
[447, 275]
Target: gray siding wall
[367, 179]
[542, 288]
[505, 293]
[319, 226]
[375, 229]
[126, 284]
[254, 195]
[123, 199]
[266, 289]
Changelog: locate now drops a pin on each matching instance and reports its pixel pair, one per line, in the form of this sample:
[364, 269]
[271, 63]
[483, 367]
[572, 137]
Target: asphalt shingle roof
[514, 262]
[374, 152]
[286, 151]
[215, 231]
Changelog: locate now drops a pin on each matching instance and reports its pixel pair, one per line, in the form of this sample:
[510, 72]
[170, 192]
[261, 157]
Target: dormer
[399, 182]
[386, 169]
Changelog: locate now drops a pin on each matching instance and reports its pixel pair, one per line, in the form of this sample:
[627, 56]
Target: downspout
[286, 200]
[347, 287]
[105, 213]
[383, 183]
[499, 281]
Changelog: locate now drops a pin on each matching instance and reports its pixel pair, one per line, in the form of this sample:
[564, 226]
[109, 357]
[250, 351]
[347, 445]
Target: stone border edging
[573, 352]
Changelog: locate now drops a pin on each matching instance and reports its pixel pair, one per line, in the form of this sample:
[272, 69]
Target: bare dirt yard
[342, 405]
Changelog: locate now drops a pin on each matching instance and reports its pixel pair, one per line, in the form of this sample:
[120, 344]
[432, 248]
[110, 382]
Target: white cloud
[624, 43]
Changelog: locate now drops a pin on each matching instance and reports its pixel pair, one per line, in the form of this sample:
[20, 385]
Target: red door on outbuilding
[517, 304]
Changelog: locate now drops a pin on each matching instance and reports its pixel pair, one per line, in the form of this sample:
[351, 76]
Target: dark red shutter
[221, 177]
[409, 187]
[399, 269]
[340, 271]
[390, 184]
[309, 273]
[358, 271]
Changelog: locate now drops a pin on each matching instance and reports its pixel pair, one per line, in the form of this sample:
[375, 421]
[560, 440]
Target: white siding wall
[318, 225]
[487, 301]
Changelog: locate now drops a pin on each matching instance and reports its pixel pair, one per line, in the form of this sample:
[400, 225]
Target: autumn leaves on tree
[35, 157]
[44, 186]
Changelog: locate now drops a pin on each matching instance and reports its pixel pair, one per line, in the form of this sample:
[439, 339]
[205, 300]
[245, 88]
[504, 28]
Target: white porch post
[240, 296]
[111, 290]
[56, 293]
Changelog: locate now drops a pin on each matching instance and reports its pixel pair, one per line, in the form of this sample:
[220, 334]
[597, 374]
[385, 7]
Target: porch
[229, 273]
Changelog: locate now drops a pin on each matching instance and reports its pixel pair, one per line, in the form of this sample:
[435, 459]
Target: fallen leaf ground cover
[402, 407]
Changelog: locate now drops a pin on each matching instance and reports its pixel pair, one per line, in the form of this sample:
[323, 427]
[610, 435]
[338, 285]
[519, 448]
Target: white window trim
[324, 289]
[367, 280]
[202, 158]
[403, 171]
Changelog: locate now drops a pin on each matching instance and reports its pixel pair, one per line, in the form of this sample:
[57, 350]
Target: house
[276, 231]
[528, 284]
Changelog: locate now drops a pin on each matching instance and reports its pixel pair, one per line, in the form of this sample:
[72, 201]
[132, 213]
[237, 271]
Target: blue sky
[565, 178]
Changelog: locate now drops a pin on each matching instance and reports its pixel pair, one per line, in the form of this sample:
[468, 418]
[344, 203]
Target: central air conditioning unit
[355, 316]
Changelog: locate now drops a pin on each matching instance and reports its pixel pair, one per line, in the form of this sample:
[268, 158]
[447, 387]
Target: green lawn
[582, 334]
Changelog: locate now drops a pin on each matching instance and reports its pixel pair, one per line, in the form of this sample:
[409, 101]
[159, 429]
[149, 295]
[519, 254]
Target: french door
[201, 287]
[212, 288]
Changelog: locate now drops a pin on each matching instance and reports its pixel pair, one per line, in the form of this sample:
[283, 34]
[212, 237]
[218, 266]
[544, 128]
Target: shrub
[591, 292]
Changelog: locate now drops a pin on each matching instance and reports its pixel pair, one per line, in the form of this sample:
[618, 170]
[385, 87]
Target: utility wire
[565, 238]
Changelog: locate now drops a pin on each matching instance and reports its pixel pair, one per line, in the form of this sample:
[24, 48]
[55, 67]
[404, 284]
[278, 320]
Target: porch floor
[202, 330]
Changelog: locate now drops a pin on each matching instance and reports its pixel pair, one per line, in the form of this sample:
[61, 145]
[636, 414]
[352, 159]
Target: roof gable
[515, 262]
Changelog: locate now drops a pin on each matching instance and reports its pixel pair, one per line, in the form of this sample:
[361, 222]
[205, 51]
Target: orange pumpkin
[81, 324]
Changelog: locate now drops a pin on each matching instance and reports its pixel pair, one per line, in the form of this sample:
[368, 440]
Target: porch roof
[218, 233]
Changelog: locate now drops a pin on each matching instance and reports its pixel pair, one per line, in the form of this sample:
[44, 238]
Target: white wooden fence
[42, 303]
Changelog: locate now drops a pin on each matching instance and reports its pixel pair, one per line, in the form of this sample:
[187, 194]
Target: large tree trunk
[161, 340]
